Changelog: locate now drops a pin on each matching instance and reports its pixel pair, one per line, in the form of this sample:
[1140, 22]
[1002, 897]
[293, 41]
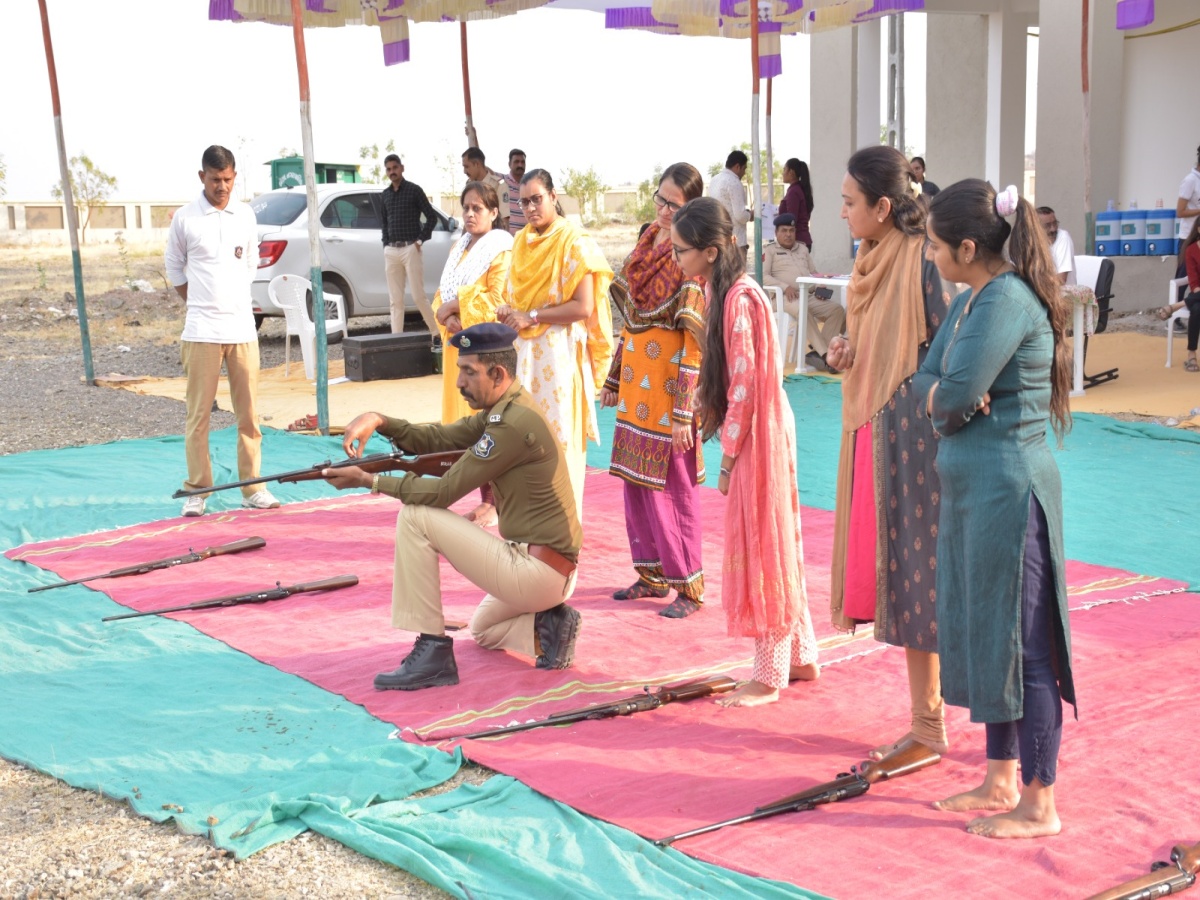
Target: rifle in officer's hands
[276, 593]
[909, 757]
[426, 464]
[191, 556]
[647, 700]
[1164, 878]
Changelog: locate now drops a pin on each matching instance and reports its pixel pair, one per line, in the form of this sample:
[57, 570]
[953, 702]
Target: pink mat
[681, 766]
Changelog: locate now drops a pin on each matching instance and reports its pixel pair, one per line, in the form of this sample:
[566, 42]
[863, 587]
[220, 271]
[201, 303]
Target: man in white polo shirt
[211, 257]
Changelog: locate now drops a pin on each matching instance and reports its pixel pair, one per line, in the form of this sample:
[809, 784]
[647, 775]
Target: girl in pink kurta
[741, 389]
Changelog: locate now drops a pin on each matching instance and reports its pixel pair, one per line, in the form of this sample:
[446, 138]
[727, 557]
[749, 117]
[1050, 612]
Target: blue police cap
[486, 337]
[784, 220]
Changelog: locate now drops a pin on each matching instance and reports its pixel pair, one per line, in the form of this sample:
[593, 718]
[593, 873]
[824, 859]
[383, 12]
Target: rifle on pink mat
[276, 593]
[1164, 878]
[191, 556]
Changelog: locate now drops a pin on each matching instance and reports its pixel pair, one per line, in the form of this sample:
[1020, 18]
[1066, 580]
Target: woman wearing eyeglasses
[557, 298]
[652, 383]
[471, 289]
[740, 396]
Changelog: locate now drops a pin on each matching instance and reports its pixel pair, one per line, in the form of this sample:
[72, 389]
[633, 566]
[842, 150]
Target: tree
[585, 188]
[762, 158]
[641, 207]
[90, 189]
[372, 166]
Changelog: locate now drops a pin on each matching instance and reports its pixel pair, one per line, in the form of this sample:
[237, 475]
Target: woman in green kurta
[994, 377]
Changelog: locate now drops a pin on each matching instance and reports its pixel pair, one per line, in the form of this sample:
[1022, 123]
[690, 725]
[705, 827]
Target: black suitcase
[380, 357]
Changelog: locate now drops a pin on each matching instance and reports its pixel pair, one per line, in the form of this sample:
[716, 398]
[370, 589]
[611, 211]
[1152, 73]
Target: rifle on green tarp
[397, 460]
[276, 593]
[649, 699]
[909, 757]
[191, 556]
[1164, 878]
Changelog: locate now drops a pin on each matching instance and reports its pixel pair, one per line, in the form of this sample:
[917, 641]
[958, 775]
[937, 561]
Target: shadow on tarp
[182, 727]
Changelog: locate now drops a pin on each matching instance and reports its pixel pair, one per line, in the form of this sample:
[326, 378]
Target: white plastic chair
[1181, 313]
[290, 293]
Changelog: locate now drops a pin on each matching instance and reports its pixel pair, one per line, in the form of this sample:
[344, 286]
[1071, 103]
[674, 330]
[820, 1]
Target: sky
[146, 85]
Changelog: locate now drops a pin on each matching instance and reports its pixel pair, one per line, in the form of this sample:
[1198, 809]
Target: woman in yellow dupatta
[471, 289]
[886, 520]
[557, 298]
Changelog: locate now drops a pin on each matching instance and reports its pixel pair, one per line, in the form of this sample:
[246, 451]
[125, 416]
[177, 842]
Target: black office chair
[1097, 273]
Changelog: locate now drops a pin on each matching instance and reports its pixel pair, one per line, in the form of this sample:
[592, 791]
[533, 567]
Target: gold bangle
[375, 484]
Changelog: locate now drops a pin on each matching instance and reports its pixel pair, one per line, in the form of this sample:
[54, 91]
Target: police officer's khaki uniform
[510, 446]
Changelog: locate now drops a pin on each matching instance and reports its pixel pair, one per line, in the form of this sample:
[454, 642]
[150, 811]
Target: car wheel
[258, 320]
[334, 285]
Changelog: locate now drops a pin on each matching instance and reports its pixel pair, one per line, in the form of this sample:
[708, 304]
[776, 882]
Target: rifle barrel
[276, 593]
[191, 556]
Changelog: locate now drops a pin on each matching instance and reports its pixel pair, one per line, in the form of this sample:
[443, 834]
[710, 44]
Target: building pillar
[837, 126]
[956, 98]
[1004, 161]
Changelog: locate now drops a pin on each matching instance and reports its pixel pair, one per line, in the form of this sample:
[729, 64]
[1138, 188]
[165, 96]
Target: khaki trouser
[517, 585]
[826, 320]
[404, 265]
[202, 365]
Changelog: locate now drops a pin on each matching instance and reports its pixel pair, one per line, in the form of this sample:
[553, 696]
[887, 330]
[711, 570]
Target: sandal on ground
[680, 608]
[1191, 366]
[640, 589]
[1163, 313]
[304, 423]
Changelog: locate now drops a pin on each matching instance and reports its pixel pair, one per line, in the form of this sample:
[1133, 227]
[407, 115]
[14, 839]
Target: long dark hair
[686, 177]
[487, 194]
[967, 211]
[542, 177]
[884, 172]
[705, 223]
[800, 168]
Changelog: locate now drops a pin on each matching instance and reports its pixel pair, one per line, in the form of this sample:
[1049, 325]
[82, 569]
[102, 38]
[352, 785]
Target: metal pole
[314, 224]
[756, 164]
[1085, 76]
[770, 155]
[69, 198]
[472, 137]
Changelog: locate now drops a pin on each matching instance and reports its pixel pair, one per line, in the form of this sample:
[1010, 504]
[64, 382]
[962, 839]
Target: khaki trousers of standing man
[202, 366]
[404, 265]
[518, 586]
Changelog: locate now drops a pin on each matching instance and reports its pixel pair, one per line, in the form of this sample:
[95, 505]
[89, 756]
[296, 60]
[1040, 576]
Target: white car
[351, 247]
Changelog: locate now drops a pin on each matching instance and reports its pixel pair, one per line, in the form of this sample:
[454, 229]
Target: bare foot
[940, 747]
[982, 797]
[810, 672]
[752, 693]
[484, 515]
[1034, 816]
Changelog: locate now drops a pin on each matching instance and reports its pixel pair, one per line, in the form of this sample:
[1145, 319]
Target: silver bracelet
[726, 472]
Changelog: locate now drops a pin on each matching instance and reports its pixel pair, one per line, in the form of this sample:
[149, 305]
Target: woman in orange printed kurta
[741, 394]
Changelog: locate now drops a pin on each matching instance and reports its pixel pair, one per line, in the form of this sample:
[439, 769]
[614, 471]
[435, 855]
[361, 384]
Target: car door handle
[334, 240]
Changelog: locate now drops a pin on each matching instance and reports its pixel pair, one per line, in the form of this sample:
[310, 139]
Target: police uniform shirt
[509, 445]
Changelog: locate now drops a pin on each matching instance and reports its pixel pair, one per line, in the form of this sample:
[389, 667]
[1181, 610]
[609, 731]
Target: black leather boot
[556, 630]
[429, 664]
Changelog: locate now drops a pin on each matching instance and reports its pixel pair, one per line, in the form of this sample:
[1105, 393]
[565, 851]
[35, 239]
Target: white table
[805, 281]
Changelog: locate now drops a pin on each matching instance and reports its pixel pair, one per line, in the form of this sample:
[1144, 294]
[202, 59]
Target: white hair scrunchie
[1006, 201]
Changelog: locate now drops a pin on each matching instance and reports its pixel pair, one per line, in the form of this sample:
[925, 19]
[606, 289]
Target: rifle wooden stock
[909, 757]
[426, 464]
[252, 543]
[1167, 878]
[276, 593]
[648, 700]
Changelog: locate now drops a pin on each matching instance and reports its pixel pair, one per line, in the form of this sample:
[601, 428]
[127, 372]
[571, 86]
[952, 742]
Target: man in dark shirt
[529, 571]
[402, 205]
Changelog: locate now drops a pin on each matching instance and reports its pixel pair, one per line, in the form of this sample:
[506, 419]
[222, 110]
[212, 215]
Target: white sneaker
[262, 499]
[193, 506]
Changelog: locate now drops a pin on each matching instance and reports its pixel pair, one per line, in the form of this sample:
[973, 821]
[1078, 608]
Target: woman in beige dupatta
[557, 298]
[885, 537]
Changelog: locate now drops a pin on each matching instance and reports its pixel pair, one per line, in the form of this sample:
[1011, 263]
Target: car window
[439, 222]
[278, 207]
[351, 211]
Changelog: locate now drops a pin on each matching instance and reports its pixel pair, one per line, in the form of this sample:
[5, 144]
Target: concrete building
[1142, 141]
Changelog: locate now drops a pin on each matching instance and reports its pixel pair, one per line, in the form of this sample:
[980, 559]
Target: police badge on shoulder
[483, 447]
